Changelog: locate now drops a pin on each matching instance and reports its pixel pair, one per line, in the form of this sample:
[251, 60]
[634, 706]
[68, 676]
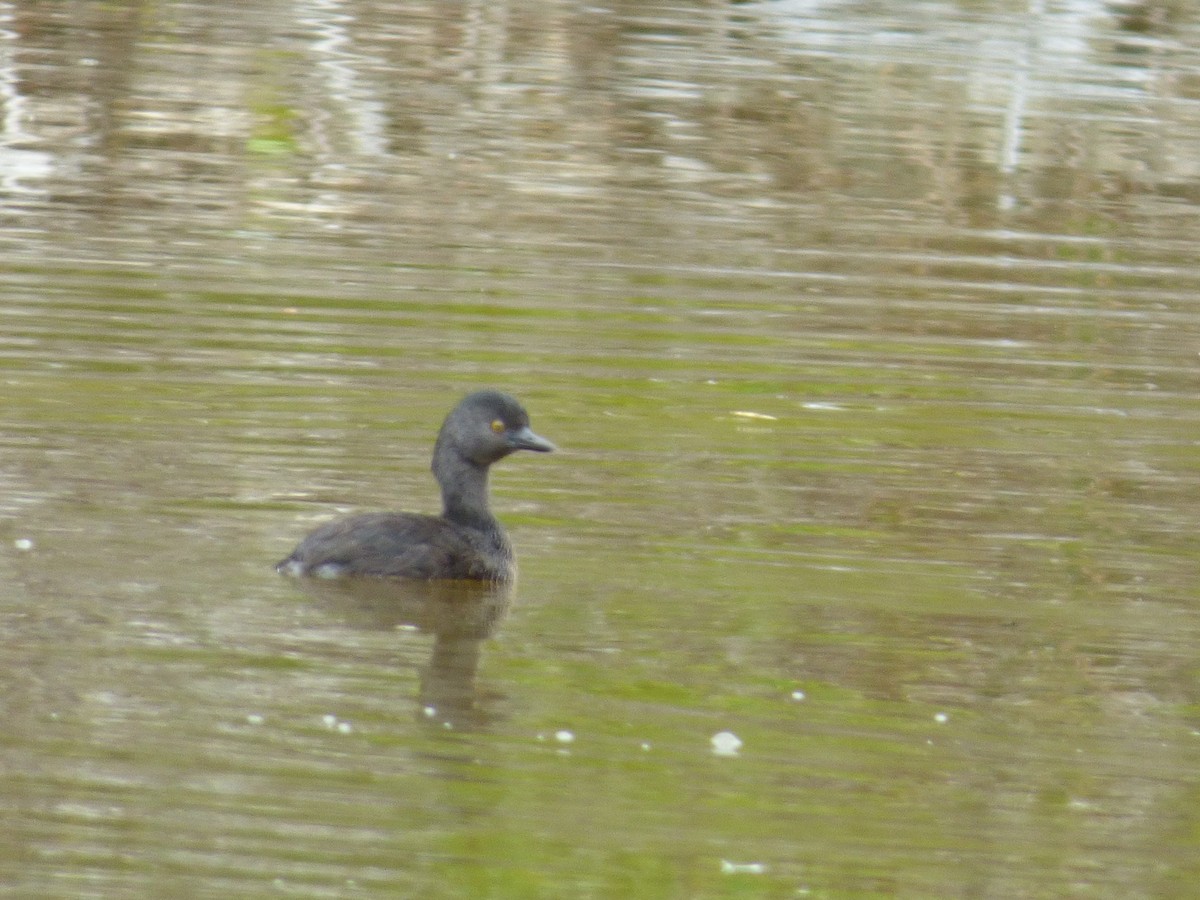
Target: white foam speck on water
[726, 743]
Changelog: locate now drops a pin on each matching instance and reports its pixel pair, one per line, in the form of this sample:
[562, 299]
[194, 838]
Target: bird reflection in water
[459, 614]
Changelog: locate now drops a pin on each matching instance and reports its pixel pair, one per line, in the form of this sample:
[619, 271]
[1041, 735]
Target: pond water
[869, 337]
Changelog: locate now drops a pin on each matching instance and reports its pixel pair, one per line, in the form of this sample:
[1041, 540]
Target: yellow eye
[497, 425]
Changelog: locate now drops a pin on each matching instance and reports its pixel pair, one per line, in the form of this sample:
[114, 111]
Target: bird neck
[464, 492]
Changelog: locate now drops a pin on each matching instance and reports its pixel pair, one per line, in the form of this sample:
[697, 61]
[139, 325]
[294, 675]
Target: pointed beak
[524, 439]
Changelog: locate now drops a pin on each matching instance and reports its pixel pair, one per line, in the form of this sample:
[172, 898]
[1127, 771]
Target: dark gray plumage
[465, 541]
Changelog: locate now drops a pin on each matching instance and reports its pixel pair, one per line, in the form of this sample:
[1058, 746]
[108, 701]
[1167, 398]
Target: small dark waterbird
[465, 541]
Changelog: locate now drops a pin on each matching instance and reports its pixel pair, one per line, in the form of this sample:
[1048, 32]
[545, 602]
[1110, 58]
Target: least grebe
[465, 541]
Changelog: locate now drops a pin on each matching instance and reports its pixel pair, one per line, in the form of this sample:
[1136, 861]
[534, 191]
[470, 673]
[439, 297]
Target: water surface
[868, 335]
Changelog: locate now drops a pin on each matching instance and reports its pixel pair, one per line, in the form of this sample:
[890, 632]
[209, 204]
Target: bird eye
[497, 425]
